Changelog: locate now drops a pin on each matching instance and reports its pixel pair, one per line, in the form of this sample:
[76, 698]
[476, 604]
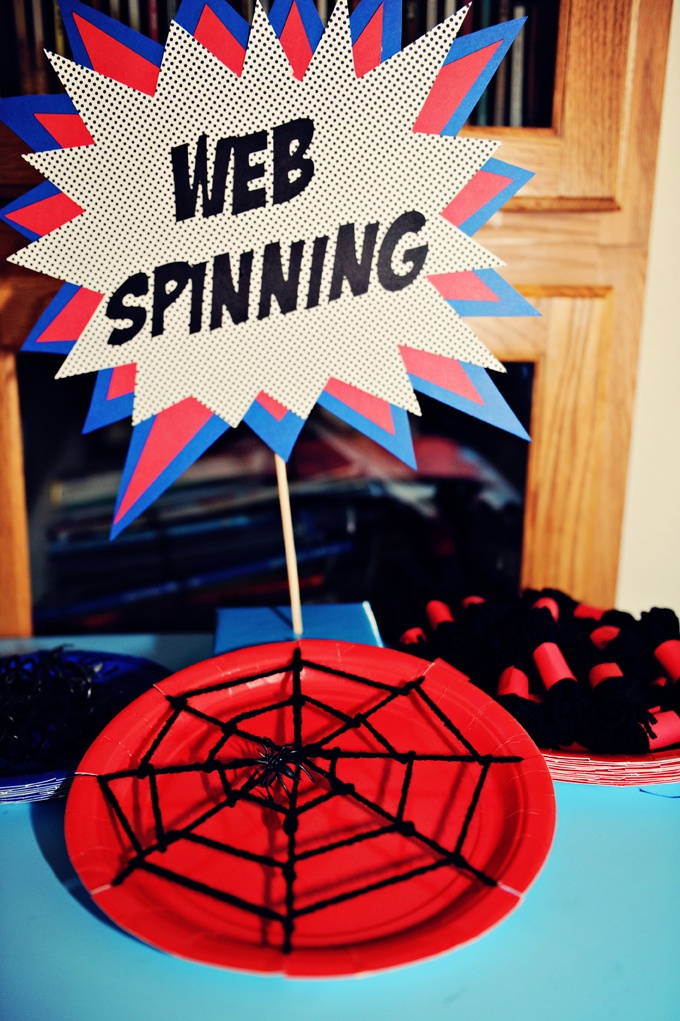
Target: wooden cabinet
[23, 296]
[575, 243]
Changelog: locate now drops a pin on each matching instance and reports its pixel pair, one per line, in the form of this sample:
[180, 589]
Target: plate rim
[397, 949]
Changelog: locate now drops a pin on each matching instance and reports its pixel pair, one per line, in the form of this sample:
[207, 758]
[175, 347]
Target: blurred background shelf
[366, 525]
[520, 94]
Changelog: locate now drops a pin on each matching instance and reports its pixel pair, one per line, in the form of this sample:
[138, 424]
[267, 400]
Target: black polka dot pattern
[369, 167]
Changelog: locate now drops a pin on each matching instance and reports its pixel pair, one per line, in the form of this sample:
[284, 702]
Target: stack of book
[519, 96]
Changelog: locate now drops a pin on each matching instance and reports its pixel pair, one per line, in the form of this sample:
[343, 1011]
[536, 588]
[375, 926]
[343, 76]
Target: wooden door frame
[575, 243]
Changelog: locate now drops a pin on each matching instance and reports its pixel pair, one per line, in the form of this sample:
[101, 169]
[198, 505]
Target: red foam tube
[546, 603]
[551, 664]
[602, 672]
[668, 655]
[514, 681]
[413, 636]
[586, 610]
[602, 636]
[438, 613]
[666, 727]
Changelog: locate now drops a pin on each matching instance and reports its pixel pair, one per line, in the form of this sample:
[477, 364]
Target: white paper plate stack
[35, 786]
[615, 770]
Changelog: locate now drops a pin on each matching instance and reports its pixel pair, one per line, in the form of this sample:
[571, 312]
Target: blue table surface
[596, 937]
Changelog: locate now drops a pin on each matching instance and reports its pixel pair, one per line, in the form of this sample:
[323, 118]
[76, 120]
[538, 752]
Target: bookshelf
[575, 243]
[520, 93]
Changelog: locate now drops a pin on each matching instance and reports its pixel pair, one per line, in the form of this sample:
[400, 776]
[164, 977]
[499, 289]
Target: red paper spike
[115, 60]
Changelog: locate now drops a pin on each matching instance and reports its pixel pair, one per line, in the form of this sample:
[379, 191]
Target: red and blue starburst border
[164, 446]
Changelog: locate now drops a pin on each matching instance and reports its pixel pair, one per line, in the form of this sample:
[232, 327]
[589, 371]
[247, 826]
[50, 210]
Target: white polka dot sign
[262, 232]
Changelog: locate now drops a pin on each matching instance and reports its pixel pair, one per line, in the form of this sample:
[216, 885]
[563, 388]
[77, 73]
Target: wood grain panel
[15, 585]
[23, 294]
[585, 349]
[595, 97]
[536, 149]
[630, 226]
[581, 415]
[602, 147]
[16, 175]
[563, 543]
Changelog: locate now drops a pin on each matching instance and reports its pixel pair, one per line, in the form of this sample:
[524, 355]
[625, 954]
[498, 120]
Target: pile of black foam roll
[577, 678]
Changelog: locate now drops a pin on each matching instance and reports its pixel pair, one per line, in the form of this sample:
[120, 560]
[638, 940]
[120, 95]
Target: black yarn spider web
[315, 759]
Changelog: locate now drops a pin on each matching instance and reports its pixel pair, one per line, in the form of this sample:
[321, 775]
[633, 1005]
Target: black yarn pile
[576, 677]
[53, 704]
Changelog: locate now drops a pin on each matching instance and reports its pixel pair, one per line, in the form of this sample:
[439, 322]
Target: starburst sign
[249, 232]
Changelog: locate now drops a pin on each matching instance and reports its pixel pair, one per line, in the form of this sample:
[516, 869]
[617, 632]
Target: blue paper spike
[494, 409]
[309, 16]
[519, 178]
[279, 435]
[19, 114]
[204, 438]
[141, 44]
[391, 24]
[104, 410]
[190, 11]
[463, 46]
[60, 347]
[41, 191]
[510, 302]
[399, 443]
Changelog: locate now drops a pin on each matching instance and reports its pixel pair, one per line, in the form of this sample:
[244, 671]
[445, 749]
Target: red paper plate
[409, 815]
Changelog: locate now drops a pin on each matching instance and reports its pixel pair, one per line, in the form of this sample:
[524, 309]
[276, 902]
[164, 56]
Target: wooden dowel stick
[289, 544]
